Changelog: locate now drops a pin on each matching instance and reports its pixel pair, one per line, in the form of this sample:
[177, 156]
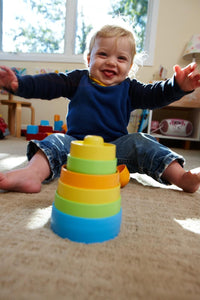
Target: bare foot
[190, 182]
[20, 181]
[28, 179]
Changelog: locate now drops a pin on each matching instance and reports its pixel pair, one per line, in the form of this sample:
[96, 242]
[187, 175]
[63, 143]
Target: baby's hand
[8, 79]
[187, 78]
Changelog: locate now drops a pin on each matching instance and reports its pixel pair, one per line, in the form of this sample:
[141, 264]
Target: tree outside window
[39, 26]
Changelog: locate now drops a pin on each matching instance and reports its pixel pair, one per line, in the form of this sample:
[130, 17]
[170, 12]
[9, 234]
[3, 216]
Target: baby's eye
[102, 54]
[122, 58]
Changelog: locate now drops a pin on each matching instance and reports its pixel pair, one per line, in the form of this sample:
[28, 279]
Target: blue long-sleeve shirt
[95, 109]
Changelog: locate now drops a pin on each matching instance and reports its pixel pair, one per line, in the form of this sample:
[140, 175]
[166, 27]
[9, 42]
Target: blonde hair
[113, 31]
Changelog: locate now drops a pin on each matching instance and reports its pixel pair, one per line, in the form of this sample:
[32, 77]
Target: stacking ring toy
[89, 181]
[95, 196]
[94, 148]
[85, 230]
[94, 167]
[87, 203]
[87, 210]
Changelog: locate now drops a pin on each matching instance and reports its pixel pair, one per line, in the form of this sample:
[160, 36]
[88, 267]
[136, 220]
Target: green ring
[87, 210]
[87, 166]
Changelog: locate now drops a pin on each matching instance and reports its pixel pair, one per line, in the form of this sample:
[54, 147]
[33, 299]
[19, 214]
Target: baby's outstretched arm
[187, 78]
[8, 79]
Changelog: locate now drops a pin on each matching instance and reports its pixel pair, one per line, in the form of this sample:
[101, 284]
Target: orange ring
[88, 181]
[124, 175]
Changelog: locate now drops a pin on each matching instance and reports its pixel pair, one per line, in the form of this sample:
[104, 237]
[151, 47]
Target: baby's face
[110, 60]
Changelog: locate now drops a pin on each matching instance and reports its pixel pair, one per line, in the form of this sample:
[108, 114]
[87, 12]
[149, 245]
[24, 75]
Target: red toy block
[45, 128]
[23, 132]
[58, 131]
[39, 136]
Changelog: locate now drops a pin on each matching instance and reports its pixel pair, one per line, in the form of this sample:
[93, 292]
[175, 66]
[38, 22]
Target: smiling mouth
[109, 73]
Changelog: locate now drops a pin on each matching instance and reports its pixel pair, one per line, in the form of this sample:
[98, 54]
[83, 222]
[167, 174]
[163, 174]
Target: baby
[101, 100]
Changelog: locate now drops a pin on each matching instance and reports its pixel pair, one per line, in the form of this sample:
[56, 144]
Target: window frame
[70, 32]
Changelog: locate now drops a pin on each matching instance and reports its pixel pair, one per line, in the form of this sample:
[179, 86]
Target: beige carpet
[155, 256]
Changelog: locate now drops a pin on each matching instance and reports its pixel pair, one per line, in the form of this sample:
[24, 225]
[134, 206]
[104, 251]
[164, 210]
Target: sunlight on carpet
[192, 225]
[39, 218]
[8, 162]
[196, 170]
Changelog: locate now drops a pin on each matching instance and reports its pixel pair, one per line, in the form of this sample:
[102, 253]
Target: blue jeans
[139, 151]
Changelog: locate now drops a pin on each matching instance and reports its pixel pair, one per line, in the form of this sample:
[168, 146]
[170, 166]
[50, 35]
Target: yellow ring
[94, 148]
[88, 181]
[95, 196]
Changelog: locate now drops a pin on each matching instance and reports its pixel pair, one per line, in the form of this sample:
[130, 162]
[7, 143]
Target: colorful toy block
[87, 204]
[44, 123]
[56, 118]
[3, 128]
[64, 128]
[32, 129]
[44, 129]
[58, 125]
[39, 136]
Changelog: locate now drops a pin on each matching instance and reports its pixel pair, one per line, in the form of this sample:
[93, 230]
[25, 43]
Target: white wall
[177, 22]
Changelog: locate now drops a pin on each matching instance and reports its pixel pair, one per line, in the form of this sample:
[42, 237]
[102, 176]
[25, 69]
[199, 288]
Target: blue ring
[85, 230]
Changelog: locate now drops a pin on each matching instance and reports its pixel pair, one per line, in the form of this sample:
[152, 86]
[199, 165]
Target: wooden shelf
[188, 109]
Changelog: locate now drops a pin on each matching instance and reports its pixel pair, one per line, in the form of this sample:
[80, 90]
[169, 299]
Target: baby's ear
[88, 59]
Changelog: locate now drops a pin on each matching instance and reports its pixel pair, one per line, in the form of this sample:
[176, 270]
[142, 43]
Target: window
[56, 30]
[34, 26]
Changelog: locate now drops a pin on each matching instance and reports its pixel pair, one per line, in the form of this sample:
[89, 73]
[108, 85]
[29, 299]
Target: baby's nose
[111, 61]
